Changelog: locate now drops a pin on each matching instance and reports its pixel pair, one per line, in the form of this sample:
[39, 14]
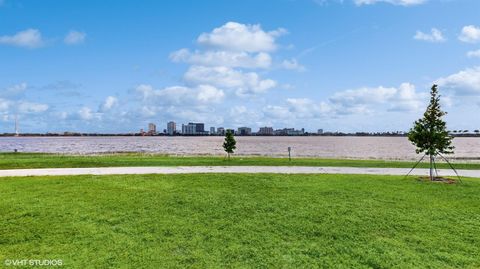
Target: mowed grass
[39, 160]
[241, 220]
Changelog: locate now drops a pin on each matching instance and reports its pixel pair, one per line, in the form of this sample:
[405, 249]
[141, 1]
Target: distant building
[320, 131]
[199, 127]
[193, 129]
[188, 129]
[265, 131]
[171, 128]
[289, 131]
[244, 131]
[152, 129]
[220, 131]
[212, 130]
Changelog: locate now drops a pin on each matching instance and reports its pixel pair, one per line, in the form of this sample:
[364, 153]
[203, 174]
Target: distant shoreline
[180, 135]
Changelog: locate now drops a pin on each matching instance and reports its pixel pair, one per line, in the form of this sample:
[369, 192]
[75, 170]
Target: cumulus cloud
[394, 2]
[402, 98]
[30, 107]
[361, 101]
[74, 37]
[470, 34]
[223, 58]
[465, 82]
[109, 103]
[30, 38]
[13, 102]
[244, 83]
[474, 54]
[180, 95]
[234, 36]
[229, 57]
[86, 113]
[435, 36]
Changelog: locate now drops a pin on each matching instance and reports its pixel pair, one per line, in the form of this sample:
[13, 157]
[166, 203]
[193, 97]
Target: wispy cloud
[393, 2]
[435, 36]
[474, 54]
[30, 38]
[74, 37]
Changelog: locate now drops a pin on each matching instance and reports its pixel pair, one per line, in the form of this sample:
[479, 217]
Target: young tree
[229, 144]
[429, 134]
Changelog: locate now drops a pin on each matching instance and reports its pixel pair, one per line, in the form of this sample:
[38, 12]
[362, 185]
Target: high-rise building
[244, 131]
[199, 127]
[193, 129]
[265, 131]
[221, 131]
[212, 130]
[152, 129]
[171, 128]
[289, 131]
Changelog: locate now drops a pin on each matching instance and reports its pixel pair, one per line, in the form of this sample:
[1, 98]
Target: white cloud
[179, 95]
[14, 91]
[470, 34]
[307, 108]
[435, 36]
[465, 82]
[74, 37]
[4, 104]
[292, 64]
[403, 98]
[29, 107]
[394, 2]
[109, 103]
[245, 83]
[30, 38]
[234, 36]
[277, 112]
[223, 58]
[207, 94]
[227, 54]
[85, 113]
[474, 54]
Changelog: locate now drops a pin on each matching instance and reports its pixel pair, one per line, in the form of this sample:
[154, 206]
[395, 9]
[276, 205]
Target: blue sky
[351, 65]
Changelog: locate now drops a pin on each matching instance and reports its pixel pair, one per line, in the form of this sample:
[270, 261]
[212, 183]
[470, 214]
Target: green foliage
[240, 221]
[229, 145]
[429, 134]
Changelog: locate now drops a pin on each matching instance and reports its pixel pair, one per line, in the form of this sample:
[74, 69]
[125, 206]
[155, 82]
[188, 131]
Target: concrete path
[226, 169]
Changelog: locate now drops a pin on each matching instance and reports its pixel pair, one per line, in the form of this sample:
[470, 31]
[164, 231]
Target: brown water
[312, 146]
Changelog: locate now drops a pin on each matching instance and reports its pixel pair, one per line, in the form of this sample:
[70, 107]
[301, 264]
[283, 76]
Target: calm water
[335, 147]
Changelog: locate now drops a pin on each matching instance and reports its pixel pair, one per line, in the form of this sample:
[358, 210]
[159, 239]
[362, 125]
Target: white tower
[17, 133]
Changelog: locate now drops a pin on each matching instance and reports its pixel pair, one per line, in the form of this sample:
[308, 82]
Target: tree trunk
[431, 167]
[228, 156]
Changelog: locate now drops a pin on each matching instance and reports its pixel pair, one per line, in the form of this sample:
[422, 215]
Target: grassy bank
[294, 221]
[32, 160]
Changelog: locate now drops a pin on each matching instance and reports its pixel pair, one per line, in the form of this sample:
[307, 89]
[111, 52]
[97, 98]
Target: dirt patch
[445, 180]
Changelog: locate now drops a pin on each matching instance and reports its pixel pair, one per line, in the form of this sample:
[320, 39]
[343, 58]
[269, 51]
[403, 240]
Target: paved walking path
[227, 169]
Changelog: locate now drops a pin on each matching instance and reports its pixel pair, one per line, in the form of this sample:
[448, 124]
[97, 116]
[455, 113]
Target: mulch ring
[440, 180]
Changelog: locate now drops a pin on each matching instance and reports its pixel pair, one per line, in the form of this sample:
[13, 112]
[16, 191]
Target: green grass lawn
[32, 160]
[240, 220]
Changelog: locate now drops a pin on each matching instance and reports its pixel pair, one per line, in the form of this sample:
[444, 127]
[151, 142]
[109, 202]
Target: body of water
[308, 146]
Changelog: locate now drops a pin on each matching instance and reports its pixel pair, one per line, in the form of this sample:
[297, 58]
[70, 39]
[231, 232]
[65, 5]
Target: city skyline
[344, 66]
